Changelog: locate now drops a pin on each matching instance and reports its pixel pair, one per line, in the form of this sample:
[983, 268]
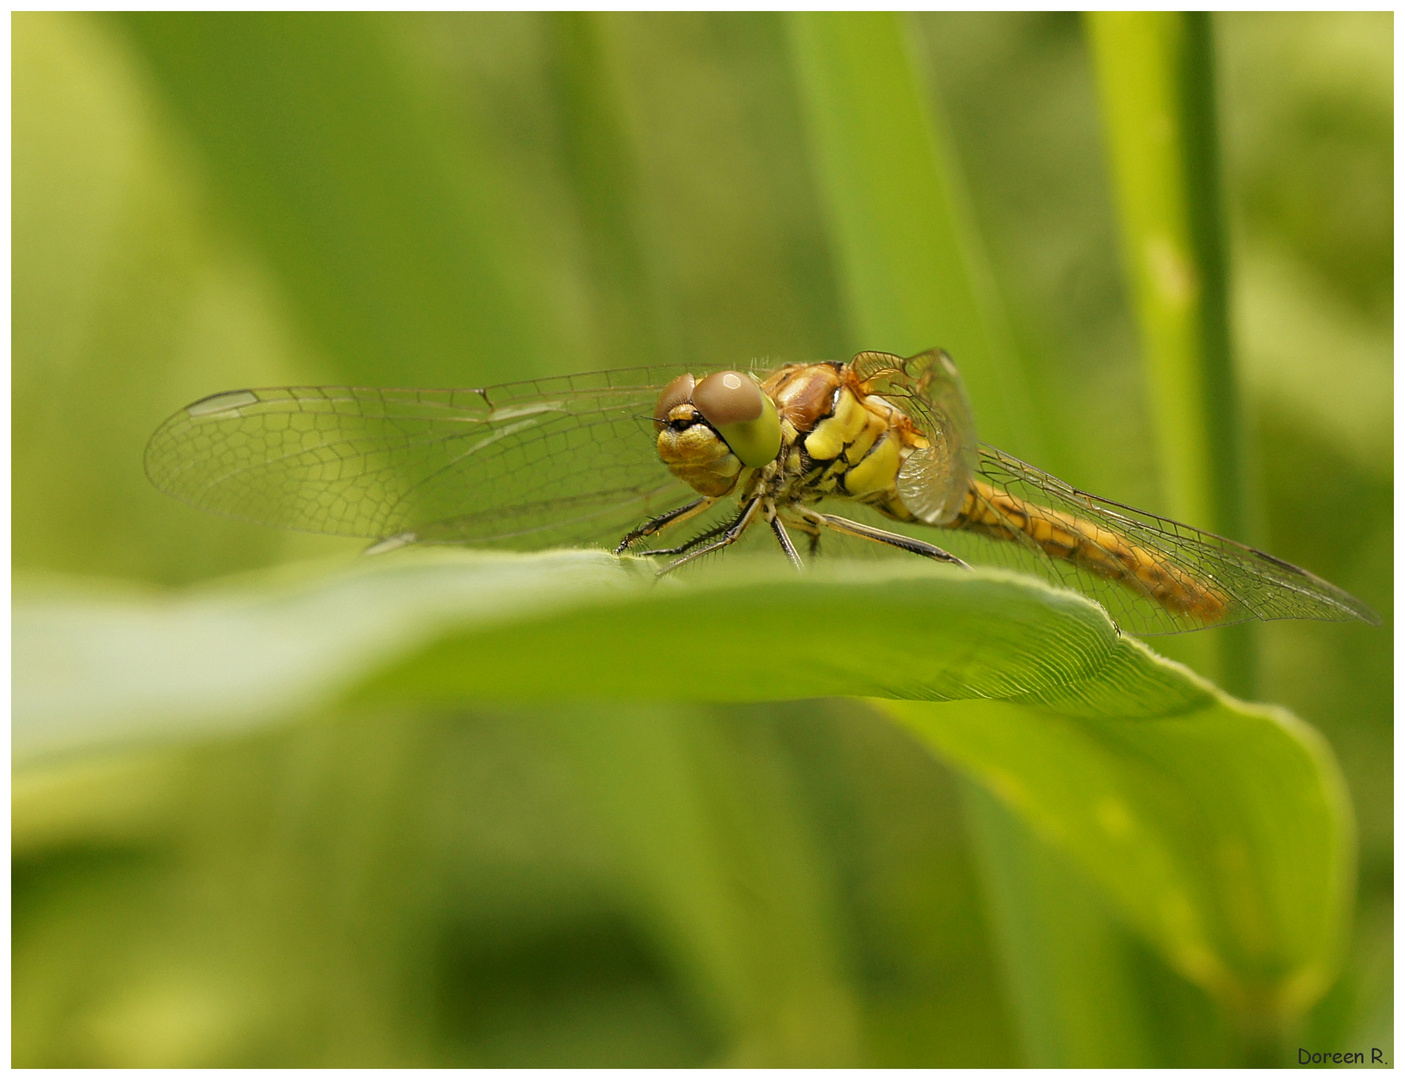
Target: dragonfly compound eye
[733, 404]
[678, 392]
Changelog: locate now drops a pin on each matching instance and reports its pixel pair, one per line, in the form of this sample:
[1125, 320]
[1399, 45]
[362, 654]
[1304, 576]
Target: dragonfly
[877, 448]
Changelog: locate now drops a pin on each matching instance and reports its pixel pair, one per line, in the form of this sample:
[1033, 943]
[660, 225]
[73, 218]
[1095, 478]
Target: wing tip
[1359, 609]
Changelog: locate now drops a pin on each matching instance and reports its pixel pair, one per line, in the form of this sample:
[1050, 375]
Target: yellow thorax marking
[831, 435]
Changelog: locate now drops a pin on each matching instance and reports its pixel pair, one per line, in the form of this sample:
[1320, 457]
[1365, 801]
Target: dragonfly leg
[783, 538]
[716, 530]
[883, 536]
[663, 521]
[733, 533]
[810, 529]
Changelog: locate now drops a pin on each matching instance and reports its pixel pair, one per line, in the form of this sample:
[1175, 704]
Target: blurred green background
[206, 202]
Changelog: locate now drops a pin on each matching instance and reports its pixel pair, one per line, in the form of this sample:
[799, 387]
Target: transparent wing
[928, 388]
[1154, 575]
[528, 464]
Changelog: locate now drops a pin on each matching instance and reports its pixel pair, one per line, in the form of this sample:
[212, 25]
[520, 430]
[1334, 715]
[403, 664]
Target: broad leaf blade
[1200, 825]
[1218, 829]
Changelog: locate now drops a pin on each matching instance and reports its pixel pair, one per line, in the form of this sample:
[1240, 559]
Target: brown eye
[745, 417]
[678, 392]
[727, 397]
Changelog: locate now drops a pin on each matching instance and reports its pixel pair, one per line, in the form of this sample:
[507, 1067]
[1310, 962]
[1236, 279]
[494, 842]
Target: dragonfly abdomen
[1002, 516]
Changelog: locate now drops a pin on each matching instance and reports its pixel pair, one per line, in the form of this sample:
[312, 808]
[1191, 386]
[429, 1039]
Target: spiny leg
[663, 521]
[733, 533]
[716, 530]
[883, 536]
[784, 538]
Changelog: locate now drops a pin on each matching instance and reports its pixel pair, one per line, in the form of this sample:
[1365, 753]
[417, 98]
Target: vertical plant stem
[1156, 75]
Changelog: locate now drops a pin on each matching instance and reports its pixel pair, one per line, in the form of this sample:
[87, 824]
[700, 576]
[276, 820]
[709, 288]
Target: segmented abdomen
[998, 514]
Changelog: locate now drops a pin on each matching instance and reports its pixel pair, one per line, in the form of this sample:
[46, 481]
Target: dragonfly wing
[927, 387]
[526, 464]
[1154, 575]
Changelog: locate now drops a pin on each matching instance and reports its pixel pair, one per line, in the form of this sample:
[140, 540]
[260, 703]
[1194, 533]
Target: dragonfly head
[729, 407]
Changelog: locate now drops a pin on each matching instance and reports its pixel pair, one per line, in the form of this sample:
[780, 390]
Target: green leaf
[1195, 823]
[570, 625]
[1217, 829]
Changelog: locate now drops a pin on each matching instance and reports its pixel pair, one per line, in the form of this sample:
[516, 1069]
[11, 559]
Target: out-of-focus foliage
[203, 202]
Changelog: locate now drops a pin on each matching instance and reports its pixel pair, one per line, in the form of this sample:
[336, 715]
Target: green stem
[1156, 75]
